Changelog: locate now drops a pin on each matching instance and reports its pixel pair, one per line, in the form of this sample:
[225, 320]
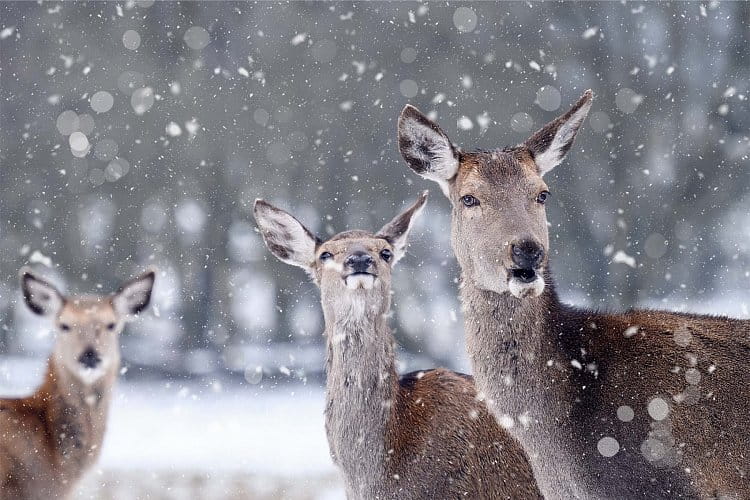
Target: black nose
[527, 254]
[359, 262]
[89, 358]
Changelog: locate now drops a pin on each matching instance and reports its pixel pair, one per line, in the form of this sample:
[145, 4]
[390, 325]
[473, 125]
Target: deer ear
[551, 143]
[396, 232]
[135, 295]
[285, 236]
[426, 148]
[40, 296]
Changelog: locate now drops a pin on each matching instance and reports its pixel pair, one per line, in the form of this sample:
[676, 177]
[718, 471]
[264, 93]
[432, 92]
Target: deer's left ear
[135, 295]
[396, 232]
[551, 143]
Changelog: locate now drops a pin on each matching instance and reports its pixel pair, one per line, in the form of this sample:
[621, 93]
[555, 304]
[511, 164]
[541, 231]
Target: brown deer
[423, 435]
[641, 404]
[49, 439]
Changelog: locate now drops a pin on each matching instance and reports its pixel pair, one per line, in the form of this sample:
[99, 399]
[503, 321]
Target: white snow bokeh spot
[131, 40]
[408, 88]
[608, 446]
[142, 100]
[67, 122]
[627, 100]
[625, 413]
[197, 38]
[408, 55]
[465, 19]
[548, 98]
[658, 409]
[521, 122]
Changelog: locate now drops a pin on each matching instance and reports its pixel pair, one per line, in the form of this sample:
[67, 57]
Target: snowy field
[187, 440]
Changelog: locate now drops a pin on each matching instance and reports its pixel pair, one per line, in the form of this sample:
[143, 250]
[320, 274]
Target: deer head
[350, 266]
[88, 328]
[499, 224]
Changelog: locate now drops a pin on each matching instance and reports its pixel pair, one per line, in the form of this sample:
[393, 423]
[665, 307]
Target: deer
[50, 439]
[421, 435]
[636, 404]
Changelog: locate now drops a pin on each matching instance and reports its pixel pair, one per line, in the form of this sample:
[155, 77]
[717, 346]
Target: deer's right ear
[40, 296]
[285, 236]
[426, 148]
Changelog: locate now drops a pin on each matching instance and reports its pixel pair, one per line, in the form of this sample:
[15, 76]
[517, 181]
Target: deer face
[351, 265]
[498, 223]
[88, 328]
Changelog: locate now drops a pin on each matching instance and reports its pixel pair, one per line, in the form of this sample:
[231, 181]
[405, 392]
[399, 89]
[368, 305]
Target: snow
[237, 433]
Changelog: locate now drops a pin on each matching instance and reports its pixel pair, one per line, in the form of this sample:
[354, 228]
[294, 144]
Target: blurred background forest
[135, 133]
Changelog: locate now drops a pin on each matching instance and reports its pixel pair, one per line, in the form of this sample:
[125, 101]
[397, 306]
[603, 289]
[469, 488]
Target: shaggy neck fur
[524, 372]
[361, 388]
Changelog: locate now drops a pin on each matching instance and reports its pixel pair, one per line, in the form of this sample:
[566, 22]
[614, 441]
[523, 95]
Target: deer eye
[469, 201]
[65, 327]
[541, 198]
[386, 255]
[111, 326]
[325, 256]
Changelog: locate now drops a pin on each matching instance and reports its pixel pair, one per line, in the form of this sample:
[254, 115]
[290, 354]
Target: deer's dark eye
[541, 198]
[64, 327]
[469, 201]
[386, 255]
[111, 326]
[325, 256]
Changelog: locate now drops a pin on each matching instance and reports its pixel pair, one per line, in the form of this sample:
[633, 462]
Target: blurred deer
[641, 404]
[423, 435]
[49, 439]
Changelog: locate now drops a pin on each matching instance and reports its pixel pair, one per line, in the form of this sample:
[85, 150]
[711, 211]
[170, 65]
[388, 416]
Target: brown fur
[557, 375]
[51, 438]
[438, 411]
[423, 436]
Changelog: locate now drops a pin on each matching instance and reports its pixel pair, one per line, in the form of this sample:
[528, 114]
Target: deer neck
[521, 360]
[75, 414]
[361, 389]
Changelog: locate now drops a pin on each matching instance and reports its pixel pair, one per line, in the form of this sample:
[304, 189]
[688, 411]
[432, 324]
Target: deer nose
[359, 262]
[527, 254]
[90, 358]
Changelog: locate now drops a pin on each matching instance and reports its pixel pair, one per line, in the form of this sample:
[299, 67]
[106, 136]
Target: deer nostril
[89, 358]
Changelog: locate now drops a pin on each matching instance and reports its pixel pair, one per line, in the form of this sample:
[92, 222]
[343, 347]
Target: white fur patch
[332, 265]
[439, 154]
[554, 154]
[355, 281]
[522, 290]
[90, 375]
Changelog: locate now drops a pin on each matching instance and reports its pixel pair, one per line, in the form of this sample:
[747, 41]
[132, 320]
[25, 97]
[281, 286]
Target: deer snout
[359, 262]
[527, 254]
[90, 358]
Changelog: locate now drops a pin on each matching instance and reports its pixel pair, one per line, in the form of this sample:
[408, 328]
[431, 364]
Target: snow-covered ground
[190, 440]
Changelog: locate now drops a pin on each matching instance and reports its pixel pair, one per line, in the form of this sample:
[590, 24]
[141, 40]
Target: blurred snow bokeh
[140, 132]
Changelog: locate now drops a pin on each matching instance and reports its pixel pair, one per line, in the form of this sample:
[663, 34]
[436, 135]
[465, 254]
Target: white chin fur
[524, 290]
[90, 375]
[355, 281]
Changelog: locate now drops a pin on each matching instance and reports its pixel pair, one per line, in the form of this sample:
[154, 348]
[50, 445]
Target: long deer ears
[396, 232]
[40, 296]
[134, 295]
[551, 143]
[426, 148]
[285, 236]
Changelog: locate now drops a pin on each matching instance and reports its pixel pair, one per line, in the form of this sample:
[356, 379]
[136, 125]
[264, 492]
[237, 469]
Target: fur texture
[643, 404]
[425, 435]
